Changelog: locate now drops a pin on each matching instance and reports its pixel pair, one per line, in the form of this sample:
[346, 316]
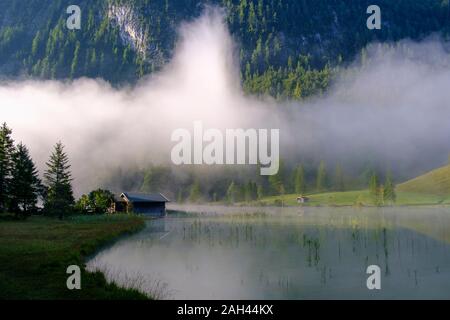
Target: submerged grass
[35, 253]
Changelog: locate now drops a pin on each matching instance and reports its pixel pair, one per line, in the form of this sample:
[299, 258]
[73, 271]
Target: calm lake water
[285, 253]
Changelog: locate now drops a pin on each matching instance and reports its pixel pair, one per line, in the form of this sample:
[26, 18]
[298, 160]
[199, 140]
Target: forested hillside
[288, 48]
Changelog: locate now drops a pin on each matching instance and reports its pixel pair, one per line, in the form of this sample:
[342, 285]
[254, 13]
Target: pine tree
[231, 193]
[374, 188]
[180, 196]
[300, 187]
[277, 180]
[195, 193]
[254, 191]
[339, 179]
[25, 183]
[374, 184]
[389, 189]
[6, 152]
[248, 191]
[260, 192]
[59, 198]
[321, 177]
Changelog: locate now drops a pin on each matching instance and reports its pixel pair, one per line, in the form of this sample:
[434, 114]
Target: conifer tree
[321, 177]
[59, 198]
[180, 195]
[389, 189]
[231, 193]
[195, 193]
[374, 188]
[6, 152]
[300, 187]
[260, 192]
[339, 179]
[277, 180]
[25, 184]
[374, 184]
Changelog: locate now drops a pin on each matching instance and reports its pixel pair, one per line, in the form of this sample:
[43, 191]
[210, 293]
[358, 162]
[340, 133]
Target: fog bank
[394, 109]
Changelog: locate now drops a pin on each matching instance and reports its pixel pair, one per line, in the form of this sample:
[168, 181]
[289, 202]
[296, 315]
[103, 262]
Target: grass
[434, 182]
[432, 188]
[35, 253]
[354, 198]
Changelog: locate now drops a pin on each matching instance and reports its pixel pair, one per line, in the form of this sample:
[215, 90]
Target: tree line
[288, 48]
[20, 186]
[21, 189]
[246, 185]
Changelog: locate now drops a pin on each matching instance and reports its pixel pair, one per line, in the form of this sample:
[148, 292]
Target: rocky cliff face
[131, 31]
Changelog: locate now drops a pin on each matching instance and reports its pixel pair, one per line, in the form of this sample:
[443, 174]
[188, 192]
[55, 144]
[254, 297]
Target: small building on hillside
[152, 204]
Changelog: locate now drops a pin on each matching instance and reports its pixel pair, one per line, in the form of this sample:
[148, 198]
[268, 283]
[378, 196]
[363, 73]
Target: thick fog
[394, 109]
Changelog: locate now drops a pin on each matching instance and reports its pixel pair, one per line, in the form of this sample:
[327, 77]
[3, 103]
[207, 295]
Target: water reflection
[285, 253]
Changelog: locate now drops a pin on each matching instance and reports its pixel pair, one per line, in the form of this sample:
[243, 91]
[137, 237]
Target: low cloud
[394, 109]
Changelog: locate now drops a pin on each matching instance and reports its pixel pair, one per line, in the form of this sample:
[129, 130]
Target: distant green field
[435, 182]
[432, 188]
[354, 198]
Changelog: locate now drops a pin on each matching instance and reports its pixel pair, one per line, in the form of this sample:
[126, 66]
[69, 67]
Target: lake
[215, 252]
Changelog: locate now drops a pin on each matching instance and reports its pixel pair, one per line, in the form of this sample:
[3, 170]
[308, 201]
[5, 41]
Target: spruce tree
[59, 198]
[6, 152]
[374, 184]
[248, 191]
[25, 184]
[300, 187]
[231, 193]
[180, 195]
[277, 180]
[260, 192]
[254, 191]
[374, 188]
[195, 193]
[321, 177]
[339, 179]
[389, 189]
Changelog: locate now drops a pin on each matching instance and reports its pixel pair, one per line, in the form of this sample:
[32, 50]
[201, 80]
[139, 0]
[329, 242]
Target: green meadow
[354, 198]
[435, 182]
[36, 252]
[431, 188]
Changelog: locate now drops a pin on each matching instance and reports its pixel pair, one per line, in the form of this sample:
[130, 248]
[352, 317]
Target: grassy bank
[35, 253]
[354, 198]
[435, 182]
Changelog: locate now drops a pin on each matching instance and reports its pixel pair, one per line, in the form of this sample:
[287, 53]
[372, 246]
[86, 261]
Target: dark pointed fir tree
[195, 192]
[374, 188]
[321, 177]
[231, 193]
[374, 184]
[339, 184]
[299, 184]
[25, 184]
[389, 189]
[6, 151]
[59, 198]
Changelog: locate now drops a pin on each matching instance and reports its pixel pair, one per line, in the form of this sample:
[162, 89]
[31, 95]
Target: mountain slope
[434, 182]
[287, 48]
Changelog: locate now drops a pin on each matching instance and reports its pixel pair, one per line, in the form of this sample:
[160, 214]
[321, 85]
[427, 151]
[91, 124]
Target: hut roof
[142, 197]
